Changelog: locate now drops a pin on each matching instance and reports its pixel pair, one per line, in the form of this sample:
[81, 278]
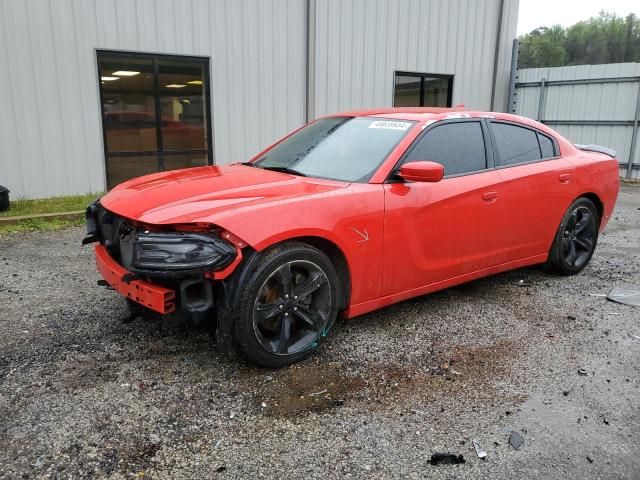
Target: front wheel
[576, 238]
[287, 305]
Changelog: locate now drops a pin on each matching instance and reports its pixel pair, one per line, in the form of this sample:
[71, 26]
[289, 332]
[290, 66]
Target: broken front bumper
[157, 298]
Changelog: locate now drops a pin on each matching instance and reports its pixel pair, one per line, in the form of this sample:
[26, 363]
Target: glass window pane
[546, 145]
[128, 103]
[459, 147]
[176, 161]
[340, 148]
[407, 91]
[182, 105]
[120, 169]
[436, 92]
[515, 144]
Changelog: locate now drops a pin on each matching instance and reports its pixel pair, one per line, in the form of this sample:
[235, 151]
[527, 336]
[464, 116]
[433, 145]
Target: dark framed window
[458, 146]
[156, 113]
[518, 144]
[422, 90]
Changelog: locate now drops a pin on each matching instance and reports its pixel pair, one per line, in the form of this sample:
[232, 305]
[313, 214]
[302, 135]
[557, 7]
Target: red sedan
[349, 214]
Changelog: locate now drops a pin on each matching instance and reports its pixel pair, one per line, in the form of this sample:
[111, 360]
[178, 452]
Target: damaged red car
[348, 214]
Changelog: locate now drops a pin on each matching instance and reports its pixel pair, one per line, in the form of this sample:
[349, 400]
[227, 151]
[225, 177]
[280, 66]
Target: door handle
[564, 177]
[490, 196]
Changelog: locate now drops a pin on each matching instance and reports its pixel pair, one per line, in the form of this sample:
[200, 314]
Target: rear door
[537, 187]
[437, 231]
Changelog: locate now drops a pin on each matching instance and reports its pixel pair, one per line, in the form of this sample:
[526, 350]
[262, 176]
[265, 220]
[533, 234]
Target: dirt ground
[84, 395]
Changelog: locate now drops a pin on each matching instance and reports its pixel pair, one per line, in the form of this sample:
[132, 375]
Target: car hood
[202, 194]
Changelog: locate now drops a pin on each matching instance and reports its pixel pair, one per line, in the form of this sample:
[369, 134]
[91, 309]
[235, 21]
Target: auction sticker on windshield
[390, 125]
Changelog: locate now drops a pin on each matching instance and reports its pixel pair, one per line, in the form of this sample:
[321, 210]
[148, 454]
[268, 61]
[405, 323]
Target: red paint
[155, 297]
[400, 239]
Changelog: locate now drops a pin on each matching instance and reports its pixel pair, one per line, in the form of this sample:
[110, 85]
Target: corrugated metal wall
[593, 102]
[360, 43]
[50, 130]
[50, 127]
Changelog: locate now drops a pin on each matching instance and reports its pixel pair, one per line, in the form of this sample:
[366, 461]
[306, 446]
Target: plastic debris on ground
[479, 450]
[516, 440]
[626, 296]
[446, 459]
[522, 283]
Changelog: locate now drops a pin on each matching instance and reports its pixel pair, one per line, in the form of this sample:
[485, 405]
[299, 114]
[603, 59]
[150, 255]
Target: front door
[438, 231]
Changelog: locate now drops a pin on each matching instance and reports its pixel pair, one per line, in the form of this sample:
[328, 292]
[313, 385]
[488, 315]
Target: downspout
[310, 60]
[496, 55]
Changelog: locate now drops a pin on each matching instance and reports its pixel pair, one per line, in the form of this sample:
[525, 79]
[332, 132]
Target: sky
[536, 13]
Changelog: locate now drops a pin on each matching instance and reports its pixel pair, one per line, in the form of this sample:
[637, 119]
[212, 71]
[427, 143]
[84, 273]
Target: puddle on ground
[307, 387]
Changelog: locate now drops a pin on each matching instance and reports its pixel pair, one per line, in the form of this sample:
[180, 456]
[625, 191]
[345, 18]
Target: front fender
[351, 219]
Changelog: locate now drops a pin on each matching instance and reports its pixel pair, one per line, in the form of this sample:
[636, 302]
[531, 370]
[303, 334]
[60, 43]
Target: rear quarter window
[547, 146]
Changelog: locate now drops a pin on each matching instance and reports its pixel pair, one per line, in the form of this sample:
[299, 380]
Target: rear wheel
[576, 238]
[286, 306]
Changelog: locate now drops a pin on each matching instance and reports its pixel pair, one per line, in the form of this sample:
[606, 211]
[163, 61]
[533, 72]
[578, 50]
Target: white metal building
[96, 91]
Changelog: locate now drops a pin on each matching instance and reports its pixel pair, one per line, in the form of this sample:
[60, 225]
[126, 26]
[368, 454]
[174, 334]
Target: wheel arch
[596, 201]
[337, 257]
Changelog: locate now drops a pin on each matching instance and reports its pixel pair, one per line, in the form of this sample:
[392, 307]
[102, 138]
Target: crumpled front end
[164, 269]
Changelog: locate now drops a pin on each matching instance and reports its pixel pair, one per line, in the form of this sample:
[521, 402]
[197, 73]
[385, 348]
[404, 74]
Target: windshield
[349, 149]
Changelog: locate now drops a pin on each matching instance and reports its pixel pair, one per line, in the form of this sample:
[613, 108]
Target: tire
[576, 238]
[287, 305]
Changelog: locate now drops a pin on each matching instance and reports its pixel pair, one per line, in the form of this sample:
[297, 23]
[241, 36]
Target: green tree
[606, 38]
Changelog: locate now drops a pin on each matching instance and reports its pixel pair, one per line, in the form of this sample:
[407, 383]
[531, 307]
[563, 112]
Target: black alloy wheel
[292, 307]
[287, 305]
[576, 238]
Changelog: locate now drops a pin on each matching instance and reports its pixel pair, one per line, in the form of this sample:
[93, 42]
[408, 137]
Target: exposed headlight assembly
[176, 252]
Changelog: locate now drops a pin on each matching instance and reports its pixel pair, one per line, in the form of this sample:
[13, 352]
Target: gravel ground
[84, 395]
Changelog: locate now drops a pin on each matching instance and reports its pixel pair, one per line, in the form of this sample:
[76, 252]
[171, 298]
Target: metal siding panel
[51, 144]
[609, 101]
[361, 43]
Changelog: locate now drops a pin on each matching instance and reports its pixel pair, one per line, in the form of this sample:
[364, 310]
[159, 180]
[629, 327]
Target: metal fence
[597, 104]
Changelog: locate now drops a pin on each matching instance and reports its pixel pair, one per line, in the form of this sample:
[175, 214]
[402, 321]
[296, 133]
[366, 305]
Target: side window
[515, 144]
[546, 146]
[459, 147]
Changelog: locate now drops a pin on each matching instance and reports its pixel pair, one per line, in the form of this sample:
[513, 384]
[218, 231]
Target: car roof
[405, 113]
[420, 114]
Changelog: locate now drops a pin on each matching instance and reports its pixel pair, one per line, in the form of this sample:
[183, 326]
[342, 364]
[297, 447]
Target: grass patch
[39, 225]
[49, 205]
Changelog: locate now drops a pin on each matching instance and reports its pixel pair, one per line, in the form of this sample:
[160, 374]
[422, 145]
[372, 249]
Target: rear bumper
[157, 298]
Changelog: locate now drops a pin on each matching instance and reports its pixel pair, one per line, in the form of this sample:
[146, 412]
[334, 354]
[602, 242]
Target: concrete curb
[75, 215]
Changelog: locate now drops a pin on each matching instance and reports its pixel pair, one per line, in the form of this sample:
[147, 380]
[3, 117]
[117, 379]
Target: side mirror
[423, 171]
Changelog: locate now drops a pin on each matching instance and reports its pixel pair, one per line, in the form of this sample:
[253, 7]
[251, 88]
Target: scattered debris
[446, 459]
[479, 450]
[571, 317]
[598, 294]
[338, 402]
[626, 296]
[263, 405]
[566, 392]
[221, 469]
[589, 459]
[317, 393]
[516, 440]
[582, 371]
[522, 283]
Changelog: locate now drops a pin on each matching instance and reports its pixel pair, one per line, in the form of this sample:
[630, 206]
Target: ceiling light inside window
[195, 82]
[175, 85]
[109, 79]
[125, 73]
